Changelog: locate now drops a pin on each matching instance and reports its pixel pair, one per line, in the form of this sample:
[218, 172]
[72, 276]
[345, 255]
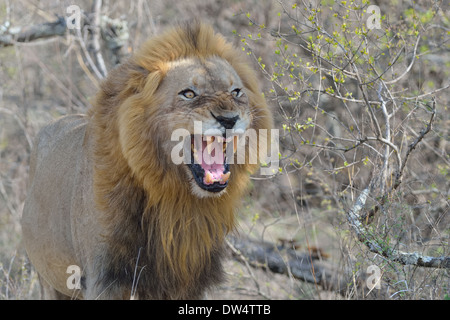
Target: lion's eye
[236, 93]
[189, 94]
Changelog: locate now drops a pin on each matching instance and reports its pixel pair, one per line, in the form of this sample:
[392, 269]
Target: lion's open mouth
[209, 164]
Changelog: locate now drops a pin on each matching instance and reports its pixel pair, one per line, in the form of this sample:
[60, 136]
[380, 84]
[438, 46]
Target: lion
[106, 197]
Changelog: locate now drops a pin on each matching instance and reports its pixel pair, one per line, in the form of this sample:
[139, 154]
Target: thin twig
[387, 134]
[9, 204]
[427, 93]
[247, 266]
[95, 38]
[412, 146]
[21, 124]
[87, 55]
[391, 65]
[410, 65]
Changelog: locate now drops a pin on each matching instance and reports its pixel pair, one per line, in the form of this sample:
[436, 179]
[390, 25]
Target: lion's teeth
[225, 177]
[208, 178]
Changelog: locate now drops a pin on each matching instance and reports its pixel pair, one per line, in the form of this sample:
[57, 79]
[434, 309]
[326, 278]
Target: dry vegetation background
[328, 85]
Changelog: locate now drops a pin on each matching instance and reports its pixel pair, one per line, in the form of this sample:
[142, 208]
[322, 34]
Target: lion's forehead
[212, 73]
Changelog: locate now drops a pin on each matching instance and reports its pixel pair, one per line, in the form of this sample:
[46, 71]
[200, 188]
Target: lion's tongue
[214, 169]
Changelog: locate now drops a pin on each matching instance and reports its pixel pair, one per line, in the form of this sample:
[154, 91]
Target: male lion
[105, 194]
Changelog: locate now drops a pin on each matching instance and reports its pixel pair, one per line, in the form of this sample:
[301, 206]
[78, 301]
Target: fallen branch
[113, 31]
[287, 261]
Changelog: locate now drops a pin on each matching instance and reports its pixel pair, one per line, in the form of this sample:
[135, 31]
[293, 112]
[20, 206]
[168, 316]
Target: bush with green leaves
[361, 103]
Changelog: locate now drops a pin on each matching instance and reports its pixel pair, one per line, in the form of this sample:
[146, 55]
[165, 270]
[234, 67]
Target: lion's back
[54, 137]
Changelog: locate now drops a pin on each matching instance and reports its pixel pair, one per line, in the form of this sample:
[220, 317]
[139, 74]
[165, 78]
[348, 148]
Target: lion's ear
[137, 77]
[126, 80]
[142, 81]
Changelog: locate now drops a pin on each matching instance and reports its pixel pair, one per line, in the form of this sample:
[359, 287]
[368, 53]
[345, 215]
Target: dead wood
[307, 266]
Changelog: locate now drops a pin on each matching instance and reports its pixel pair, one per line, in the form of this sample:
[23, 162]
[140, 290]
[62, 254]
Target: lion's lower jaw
[200, 193]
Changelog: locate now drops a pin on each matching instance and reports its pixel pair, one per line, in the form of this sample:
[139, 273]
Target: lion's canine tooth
[225, 177]
[208, 178]
[194, 150]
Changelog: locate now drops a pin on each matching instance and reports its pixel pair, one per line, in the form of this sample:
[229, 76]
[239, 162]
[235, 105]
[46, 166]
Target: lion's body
[59, 204]
[104, 195]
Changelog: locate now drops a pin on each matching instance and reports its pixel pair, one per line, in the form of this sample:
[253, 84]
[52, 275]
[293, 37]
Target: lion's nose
[226, 122]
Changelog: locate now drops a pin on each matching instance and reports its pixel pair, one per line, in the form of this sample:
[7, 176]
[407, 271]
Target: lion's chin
[200, 192]
[202, 186]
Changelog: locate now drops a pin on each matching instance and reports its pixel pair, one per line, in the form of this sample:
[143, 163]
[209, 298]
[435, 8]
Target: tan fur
[104, 194]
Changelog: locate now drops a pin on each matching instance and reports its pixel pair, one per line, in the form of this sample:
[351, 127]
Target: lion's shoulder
[65, 129]
[61, 127]
[58, 140]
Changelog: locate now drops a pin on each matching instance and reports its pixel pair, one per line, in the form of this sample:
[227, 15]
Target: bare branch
[412, 146]
[89, 60]
[95, 29]
[35, 32]
[387, 138]
[427, 93]
[98, 26]
[340, 97]
[386, 70]
[21, 124]
[409, 67]
[9, 205]
[376, 246]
